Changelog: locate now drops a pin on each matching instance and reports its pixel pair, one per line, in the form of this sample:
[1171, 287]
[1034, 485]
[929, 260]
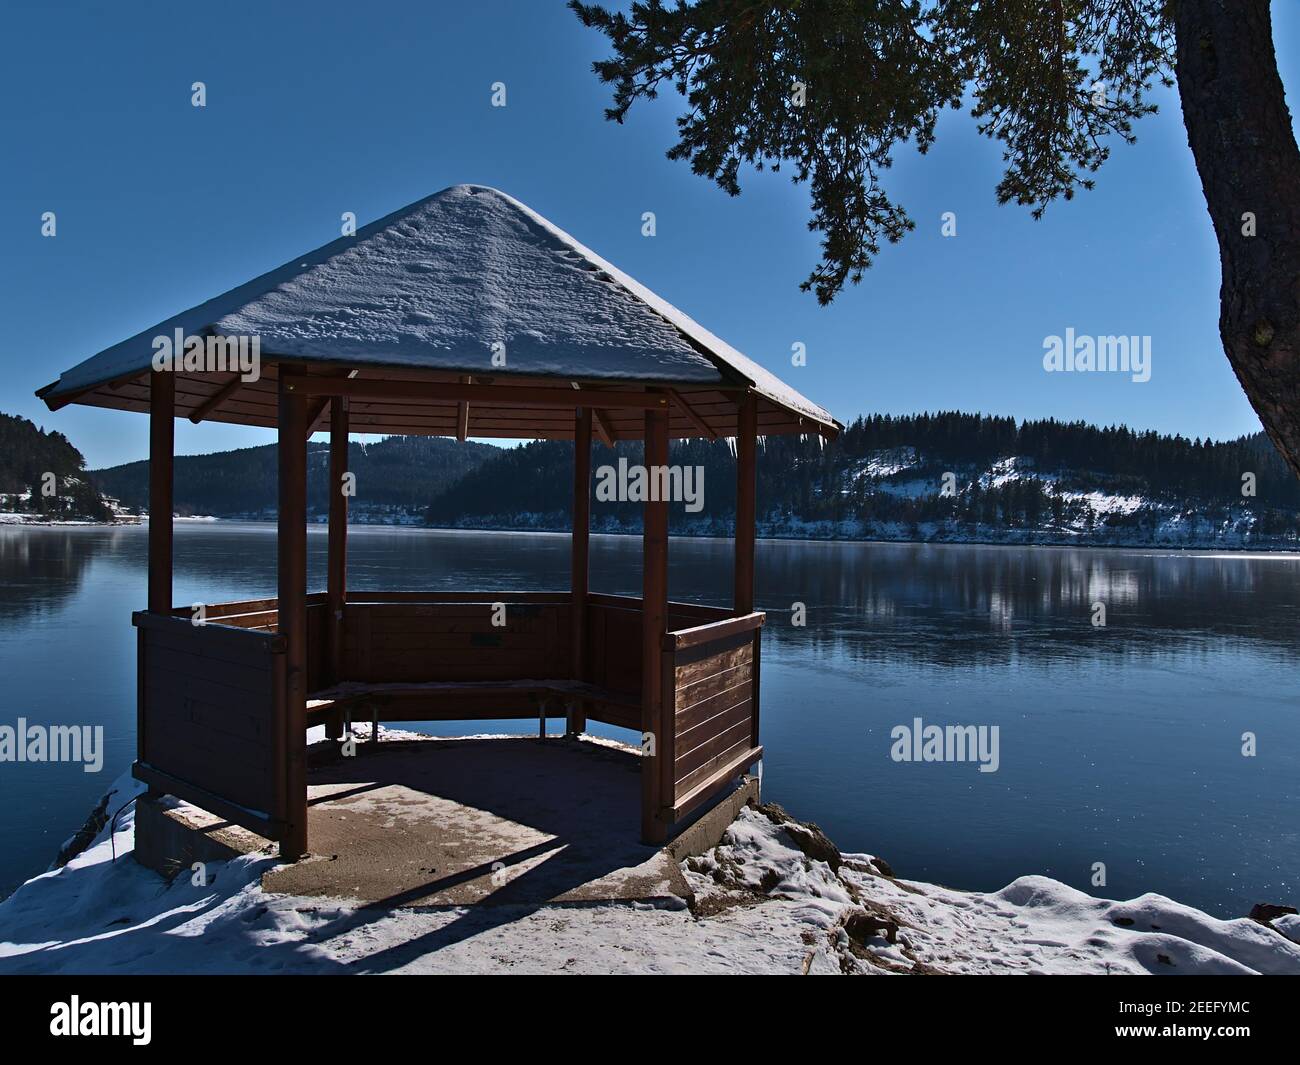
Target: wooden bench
[452, 700]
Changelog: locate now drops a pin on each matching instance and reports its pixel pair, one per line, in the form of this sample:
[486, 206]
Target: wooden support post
[654, 611]
[292, 544]
[162, 430]
[162, 435]
[580, 579]
[746, 449]
[746, 516]
[336, 577]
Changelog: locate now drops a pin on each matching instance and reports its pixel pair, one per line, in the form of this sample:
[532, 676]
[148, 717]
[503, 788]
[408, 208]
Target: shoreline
[1244, 550]
[774, 895]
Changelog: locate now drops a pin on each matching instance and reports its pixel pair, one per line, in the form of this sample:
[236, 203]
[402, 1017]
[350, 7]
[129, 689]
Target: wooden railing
[213, 726]
[263, 615]
[614, 639]
[711, 675]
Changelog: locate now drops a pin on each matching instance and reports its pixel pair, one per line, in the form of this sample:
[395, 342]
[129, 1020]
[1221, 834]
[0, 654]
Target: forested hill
[28, 455]
[943, 476]
[885, 477]
[395, 478]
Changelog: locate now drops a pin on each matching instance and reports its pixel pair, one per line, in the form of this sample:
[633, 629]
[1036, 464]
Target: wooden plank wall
[714, 708]
[614, 638]
[448, 641]
[262, 615]
[210, 695]
[614, 648]
[208, 700]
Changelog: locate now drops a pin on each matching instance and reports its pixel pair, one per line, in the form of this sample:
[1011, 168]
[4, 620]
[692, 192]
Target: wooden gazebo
[465, 314]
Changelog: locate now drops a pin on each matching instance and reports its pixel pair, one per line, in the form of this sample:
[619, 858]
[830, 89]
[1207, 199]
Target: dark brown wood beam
[489, 395]
[317, 409]
[336, 570]
[216, 399]
[162, 436]
[603, 429]
[315, 415]
[746, 468]
[292, 565]
[656, 768]
[712, 631]
[690, 413]
[579, 567]
[79, 394]
[122, 382]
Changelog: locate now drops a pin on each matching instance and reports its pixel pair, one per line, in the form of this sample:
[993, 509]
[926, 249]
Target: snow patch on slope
[885, 463]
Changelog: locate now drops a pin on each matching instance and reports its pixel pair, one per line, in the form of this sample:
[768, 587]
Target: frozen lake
[1119, 744]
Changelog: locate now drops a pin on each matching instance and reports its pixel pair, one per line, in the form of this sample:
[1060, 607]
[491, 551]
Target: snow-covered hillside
[774, 897]
[1013, 500]
[1080, 486]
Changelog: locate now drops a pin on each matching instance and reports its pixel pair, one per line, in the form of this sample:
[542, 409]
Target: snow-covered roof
[433, 287]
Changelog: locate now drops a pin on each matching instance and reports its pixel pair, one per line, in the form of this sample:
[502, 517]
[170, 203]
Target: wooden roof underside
[694, 410]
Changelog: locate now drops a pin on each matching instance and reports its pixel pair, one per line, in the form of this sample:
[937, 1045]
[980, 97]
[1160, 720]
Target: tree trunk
[1240, 133]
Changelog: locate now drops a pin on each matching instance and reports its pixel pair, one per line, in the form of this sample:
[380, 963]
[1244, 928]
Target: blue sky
[319, 108]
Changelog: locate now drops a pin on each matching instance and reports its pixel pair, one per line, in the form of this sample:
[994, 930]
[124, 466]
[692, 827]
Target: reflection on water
[38, 573]
[972, 606]
[1119, 744]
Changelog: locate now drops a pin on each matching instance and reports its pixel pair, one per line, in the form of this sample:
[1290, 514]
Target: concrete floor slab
[498, 820]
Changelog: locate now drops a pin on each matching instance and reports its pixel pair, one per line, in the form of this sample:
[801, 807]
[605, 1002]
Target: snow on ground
[773, 897]
[1289, 926]
[1034, 925]
[10, 517]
